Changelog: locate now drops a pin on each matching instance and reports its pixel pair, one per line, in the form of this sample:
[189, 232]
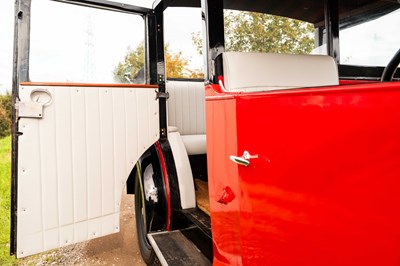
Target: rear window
[71, 43]
[257, 32]
[372, 43]
[183, 43]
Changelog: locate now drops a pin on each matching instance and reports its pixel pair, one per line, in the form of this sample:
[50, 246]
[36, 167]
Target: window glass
[183, 43]
[71, 43]
[257, 32]
[372, 43]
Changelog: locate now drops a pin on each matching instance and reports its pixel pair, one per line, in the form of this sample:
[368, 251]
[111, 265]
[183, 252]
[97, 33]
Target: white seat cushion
[195, 144]
[250, 72]
[186, 114]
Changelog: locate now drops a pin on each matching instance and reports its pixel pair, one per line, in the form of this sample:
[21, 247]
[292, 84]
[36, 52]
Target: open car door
[74, 146]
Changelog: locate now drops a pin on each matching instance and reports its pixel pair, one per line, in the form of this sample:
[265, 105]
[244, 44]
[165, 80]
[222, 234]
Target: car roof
[307, 10]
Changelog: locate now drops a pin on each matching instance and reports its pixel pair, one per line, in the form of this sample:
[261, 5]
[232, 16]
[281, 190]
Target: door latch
[33, 108]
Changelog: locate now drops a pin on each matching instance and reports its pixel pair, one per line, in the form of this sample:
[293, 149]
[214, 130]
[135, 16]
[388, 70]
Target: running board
[174, 249]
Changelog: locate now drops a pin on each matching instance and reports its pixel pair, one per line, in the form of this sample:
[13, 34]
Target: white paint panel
[94, 228]
[108, 225]
[131, 128]
[183, 170]
[62, 103]
[48, 161]
[66, 235]
[81, 231]
[79, 151]
[120, 134]
[73, 163]
[29, 173]
[93, 156]
[32, 245]
[142, 113]
[107, 147]
[51, 239]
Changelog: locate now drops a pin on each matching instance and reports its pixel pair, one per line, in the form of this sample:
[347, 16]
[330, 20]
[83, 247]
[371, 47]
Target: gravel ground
[116, 249]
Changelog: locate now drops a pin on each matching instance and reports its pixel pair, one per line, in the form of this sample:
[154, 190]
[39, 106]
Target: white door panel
[73, 162]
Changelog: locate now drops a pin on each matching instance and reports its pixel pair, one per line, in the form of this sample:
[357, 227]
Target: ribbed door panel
[73, 163]
[186, 107]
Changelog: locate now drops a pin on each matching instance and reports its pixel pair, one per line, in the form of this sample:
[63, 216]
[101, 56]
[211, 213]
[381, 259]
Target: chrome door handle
[244, 159]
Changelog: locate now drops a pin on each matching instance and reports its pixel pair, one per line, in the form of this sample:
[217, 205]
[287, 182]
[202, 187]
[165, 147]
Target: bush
[5, 129]
[5, 115]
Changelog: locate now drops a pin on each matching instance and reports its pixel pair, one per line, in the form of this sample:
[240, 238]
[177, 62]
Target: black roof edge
[109, 5]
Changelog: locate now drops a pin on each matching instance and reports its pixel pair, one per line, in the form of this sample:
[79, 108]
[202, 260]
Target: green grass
[5, 190]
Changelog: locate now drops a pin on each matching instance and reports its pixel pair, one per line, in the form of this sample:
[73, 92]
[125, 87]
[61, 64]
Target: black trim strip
[332, 28]
[159, 33]
[185, 79]
[20, 74]
[363, 72]
[213, 34]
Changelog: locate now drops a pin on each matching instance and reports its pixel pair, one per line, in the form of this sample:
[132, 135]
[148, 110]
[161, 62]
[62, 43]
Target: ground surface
[116, 249]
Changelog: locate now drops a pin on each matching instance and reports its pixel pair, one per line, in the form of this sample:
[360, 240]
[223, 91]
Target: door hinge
[163, 132]
[33, 107]
[28, 109]
[164, 95]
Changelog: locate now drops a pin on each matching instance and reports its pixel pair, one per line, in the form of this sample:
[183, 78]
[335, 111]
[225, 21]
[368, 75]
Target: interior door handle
[244, 159]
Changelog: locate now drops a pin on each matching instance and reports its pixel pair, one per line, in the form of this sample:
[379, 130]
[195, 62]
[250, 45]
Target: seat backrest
[252, 72]
[186, 107]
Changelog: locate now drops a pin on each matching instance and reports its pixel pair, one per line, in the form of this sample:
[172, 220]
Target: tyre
[142, 223]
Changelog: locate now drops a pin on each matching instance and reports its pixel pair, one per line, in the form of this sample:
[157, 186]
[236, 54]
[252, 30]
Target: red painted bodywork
[325, 189]
[355, 81]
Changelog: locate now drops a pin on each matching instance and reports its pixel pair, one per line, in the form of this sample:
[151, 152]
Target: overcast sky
[6, 43]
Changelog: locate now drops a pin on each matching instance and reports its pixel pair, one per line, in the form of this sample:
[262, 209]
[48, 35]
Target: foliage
[127, 70]
[177, 66]
[197, 41]
[256, 32]
[5, 115]
[6, 103]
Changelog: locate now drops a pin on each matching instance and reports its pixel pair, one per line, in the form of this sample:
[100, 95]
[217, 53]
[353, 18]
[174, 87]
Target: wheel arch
[158, 154]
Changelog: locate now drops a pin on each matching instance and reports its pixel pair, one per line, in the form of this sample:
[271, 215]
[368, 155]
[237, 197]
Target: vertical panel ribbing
[120, 146]
[64, 138]
[186, 107]
[107, 151]
[79, 152]
[54, 131]
[86, 159]
[93, 150]
[49, 174]
[71, 142]
[77, 159]
[132, 134]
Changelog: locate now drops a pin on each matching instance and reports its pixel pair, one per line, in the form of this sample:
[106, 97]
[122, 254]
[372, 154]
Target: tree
[256, 32]
[130, 70]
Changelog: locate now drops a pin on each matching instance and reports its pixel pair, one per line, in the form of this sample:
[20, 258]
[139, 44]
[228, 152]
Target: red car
[271, 159]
